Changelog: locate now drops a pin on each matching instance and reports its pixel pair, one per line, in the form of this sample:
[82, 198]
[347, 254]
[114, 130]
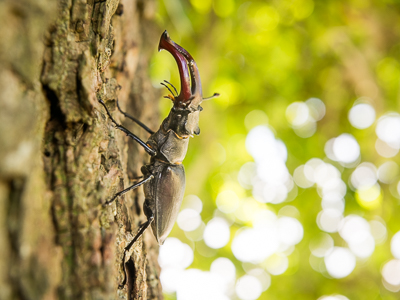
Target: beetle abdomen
[166, 197]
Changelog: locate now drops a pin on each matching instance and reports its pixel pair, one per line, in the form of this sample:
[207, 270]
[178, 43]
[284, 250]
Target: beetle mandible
[164, 176]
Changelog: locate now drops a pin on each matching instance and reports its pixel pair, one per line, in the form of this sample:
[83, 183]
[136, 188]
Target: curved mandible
[190, 88]
[167, 44]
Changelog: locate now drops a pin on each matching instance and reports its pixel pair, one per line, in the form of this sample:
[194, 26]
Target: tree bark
[62, 158]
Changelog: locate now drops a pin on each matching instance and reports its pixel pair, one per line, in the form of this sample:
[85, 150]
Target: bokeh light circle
[195, 284]
[388, 129]
[297, 113]
[225, 268]
[255, 245]
[340, 262]
[328, 220]
[362, 115]
[175, 253]
[216, 234]
[333, 297]
[290, 230]
[248, 287]
[365, 175]
[277, 264]
[388, 172]
[321, 244]
[188, 219]
[317, 108]
[346, 148]
[391, 272]
[395, 245]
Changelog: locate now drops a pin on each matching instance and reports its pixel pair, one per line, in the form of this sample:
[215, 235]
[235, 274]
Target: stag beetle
[164, 176]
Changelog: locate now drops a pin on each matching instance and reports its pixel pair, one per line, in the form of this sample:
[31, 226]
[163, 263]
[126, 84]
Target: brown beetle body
[164, 176]
[164, 194]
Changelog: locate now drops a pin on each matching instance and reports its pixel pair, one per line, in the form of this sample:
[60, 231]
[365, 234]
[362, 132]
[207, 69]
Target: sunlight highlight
[391, 275]
[216, 234]
[362, 115]
[369, 197]
[272, 182]
[270, 235]
[388, 129]
[303, 116]
[340, 262]
[395, 245]
[248, 287]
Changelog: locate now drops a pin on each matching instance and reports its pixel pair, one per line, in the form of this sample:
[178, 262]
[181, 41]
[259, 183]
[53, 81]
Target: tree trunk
[62, 158]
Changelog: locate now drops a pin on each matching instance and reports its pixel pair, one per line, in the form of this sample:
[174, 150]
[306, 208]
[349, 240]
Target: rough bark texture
[60, 156]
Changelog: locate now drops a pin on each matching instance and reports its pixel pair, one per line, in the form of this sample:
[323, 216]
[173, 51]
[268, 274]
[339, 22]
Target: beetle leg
[134, 119]
[129, 246]
[127, 132]
[134, 186]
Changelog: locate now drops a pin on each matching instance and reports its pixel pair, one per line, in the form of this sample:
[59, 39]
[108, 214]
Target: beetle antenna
[127, 132]
[172, 86]
[168, 89]
[134, 119]
[213, 96]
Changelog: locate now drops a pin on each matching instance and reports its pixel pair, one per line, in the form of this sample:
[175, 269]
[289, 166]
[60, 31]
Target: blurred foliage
[262, 56]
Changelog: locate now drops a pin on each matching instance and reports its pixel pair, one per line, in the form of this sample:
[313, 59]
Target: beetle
[164, 176]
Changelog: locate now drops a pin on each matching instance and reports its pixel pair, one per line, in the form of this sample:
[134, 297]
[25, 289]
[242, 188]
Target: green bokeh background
[265, 55]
